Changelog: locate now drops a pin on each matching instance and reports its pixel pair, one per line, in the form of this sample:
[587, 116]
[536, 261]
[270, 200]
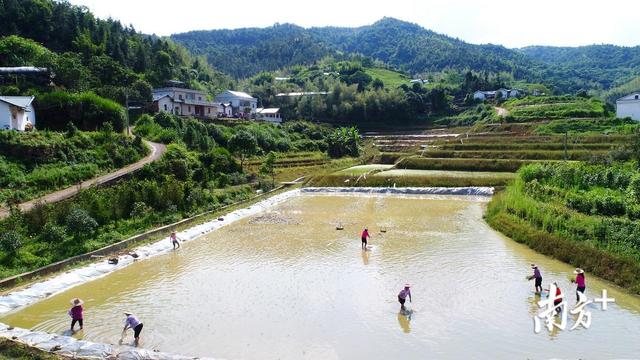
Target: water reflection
[404, 319]
[365, 257]
[285, 284]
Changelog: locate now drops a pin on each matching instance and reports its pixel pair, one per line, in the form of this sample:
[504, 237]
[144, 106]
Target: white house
[488, 95]
[484, 95]
[17, 113]
[225, 110]
[269, 114]
[184, 102]
[629, 106]
[241, 102]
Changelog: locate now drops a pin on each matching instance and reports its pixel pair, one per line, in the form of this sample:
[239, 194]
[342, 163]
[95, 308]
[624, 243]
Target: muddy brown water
[285, 284]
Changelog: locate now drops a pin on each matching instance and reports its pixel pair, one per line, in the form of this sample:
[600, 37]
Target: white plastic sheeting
[80, 349]
[65, 281]
[475, 191]
[70, 347]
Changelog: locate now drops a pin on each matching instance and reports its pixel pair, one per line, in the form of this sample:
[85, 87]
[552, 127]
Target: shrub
[87, 111]
[140, 210]
[80, 223]
[53, 234]
[10, 241]
[344, 142]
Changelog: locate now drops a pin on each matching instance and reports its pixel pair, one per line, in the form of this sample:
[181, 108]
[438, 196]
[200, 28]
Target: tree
[80, 223]
[244, 145]
[344, 142]
[377, 84]
[268, 167]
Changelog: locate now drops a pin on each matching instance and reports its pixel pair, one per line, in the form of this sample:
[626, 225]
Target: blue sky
[512, 23]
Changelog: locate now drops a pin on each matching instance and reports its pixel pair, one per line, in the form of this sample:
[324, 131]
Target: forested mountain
[419, 50]
[597, 66]
[245, 52]
[410, 47]
[87, 53]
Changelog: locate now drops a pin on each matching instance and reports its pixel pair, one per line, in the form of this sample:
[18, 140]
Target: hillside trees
[87, 53]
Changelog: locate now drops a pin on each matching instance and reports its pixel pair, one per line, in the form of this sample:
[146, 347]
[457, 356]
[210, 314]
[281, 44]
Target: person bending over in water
[365, 235]
[133, 323]
[402, 296]
[538, 277]
[174, 240]
[76, 313]
[580, 281]
[557, 300]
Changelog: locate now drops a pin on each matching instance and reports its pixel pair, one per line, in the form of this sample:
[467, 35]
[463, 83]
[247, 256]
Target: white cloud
[512, 23]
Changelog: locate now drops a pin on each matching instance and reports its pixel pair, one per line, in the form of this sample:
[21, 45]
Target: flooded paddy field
[285, 284]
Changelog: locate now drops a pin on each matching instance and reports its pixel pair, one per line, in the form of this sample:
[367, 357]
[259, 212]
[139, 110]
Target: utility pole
[126, 106]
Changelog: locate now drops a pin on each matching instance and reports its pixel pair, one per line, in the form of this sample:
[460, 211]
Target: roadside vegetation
[35, 163]
[205, 167]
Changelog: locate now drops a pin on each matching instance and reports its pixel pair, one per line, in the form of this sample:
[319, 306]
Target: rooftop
[268, 110]
[19, 101]
[240, 94]
[172, 89]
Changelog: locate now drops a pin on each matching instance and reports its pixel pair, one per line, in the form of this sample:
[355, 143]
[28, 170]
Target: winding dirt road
[156, 152]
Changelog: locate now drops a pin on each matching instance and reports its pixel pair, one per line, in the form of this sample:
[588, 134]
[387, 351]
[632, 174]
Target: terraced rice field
[445, 173]
[364, 169]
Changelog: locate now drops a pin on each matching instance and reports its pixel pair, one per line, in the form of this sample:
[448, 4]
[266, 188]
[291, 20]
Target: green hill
[595, 67]
[414, 49]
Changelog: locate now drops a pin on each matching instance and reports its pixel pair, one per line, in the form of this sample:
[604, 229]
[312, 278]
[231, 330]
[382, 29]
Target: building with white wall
[629, 106]
[184, 102]
[17, 113]
[488, 95]
[269, 114]
[241, 102]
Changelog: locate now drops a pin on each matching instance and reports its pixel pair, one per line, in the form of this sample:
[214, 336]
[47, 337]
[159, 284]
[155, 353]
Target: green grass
[445, 173]
[515, 154]
[364, 169]
[538, 209]
[527, 146]
[518, 139]
[554, 107]
[491, 165]
[391, 79]
[614, 126]
[36, 163]
[389, 157]
[10, 350]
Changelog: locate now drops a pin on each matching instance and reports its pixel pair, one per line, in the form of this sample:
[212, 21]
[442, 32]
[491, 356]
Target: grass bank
[540, 209]
[11, 350]
[516, 154]
[456, 164]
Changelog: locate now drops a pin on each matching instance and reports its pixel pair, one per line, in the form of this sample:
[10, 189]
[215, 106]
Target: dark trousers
[580, 289]
[137, 330]
[73, 322]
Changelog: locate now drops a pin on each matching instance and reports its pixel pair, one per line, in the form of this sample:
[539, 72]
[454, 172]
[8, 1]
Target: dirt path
[156, 152]
[502, 112]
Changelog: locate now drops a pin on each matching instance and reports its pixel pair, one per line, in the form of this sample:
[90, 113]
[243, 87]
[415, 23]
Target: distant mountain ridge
[410, 47]
[605, 65]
